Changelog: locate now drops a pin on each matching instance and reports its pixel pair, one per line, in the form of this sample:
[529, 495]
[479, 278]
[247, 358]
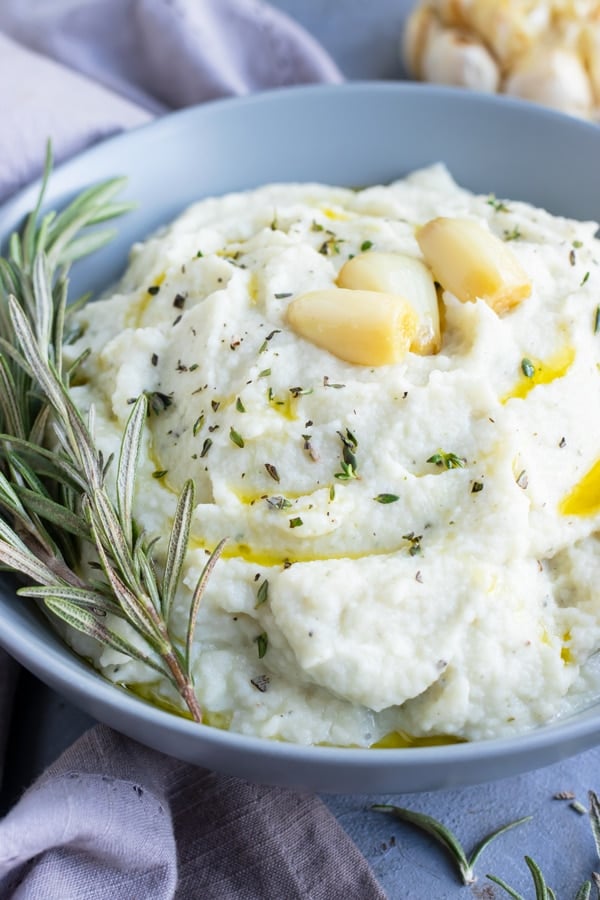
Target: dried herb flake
[236, 438]
[262, 643]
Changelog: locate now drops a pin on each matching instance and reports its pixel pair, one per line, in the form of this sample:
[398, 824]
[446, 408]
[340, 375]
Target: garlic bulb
[546, 51]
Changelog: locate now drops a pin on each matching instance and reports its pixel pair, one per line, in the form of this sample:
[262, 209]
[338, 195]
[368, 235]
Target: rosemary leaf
[198, 594]
[36, 362]
[44, 304]
[109, 533]
[7, 350]
[53, 512]
[595, 819]
[46, 462]
[510, 891]
[447, 839]
[541, 888]
[111, 211]
[584, 891]
[53, 475]
[85, 245]
[83, 620]
[25, 562]
[147, 574]
[72, 370]
[8, 400]
[178, 542]
[128, 461]
[487, 840]
[438, 831]
[82, 597]
[80, 213]
[138, 613]
[59, 295]
[43, 229]
[29, 235]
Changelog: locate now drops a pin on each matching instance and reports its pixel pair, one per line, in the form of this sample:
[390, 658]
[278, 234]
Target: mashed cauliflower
[451, 587]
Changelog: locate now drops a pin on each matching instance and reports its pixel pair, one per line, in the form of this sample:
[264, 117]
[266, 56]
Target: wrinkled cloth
[95, 67]
[111, 818]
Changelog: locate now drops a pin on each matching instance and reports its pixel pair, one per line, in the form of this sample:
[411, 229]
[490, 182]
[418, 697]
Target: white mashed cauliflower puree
[453, 597]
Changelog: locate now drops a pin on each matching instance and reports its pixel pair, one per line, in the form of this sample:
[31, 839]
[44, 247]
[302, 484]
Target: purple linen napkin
[170, 53]
[112, 819]
[99, 66]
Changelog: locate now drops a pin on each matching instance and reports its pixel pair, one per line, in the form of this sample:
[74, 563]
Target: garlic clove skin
[552, 76]
[454, 57]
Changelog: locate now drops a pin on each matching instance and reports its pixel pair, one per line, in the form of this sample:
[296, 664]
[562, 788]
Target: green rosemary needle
[54, 494]
[447, 839]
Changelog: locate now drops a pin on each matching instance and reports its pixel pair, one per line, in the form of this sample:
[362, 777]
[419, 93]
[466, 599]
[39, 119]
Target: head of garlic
[547, 52]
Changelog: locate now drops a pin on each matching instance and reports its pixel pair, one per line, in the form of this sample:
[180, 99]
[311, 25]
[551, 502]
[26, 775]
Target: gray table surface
[363, 38]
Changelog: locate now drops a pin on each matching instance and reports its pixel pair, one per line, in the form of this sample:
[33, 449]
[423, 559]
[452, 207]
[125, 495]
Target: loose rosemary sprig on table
[465, 865]
[54, 501]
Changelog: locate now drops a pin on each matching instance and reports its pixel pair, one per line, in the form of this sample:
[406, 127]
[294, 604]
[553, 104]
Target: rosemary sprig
[447, 838]
[542, 890]
[56, 506]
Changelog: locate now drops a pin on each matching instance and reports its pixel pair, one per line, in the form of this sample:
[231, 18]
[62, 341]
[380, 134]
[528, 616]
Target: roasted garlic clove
[552, 76]
[405, 276]
[454, 57]
[364, 327]
[473, 263]
[416, 36]
[590, 50]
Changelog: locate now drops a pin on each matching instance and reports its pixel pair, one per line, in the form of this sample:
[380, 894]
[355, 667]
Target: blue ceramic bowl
[355, 134]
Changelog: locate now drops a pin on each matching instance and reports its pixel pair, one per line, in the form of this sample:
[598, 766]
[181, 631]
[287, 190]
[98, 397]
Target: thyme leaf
[271, 469]
[348, 464]
[236, 438]
[279, 502]
[527, 368]
[158, 402]
[447, 460]
[497, 205]
[262, 643]
[262, 593]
